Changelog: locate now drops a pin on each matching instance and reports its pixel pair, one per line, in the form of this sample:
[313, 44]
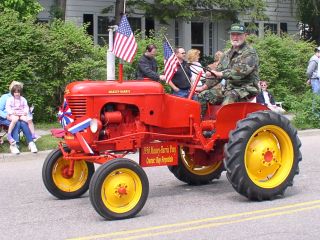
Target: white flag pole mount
[111, 72]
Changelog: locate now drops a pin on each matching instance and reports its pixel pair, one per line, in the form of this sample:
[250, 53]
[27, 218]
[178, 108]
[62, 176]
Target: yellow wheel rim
[190, 164]
[269, 156]
[121, 190]
[69, 184]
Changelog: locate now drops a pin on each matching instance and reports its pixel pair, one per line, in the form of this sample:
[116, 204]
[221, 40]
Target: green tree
[187, 9]
[25, 8]
[309, 14]
[46, 57]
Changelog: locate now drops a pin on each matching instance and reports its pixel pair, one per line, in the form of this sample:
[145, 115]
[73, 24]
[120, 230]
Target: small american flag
[170, 62]
[125, 45]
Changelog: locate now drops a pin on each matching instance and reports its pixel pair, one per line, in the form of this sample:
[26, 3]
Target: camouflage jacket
[240, 69]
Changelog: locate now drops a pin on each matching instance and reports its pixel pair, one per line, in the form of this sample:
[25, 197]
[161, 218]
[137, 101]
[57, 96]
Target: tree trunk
[61, 4]
[119, 10]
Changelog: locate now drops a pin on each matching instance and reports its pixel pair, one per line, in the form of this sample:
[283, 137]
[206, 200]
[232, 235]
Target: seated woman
[193, 56]
[265, 97]
[20, 125]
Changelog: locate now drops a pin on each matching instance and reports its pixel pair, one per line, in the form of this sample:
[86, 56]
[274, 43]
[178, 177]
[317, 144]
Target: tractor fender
[228, 116]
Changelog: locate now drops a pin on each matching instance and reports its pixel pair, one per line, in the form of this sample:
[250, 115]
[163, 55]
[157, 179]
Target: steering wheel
[204, 70]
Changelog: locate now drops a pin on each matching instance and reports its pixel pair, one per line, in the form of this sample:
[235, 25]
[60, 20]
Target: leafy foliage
[283, 62]
[25, 8]
[187, 9]
[46, 58]
[308, 12]
[307, 111]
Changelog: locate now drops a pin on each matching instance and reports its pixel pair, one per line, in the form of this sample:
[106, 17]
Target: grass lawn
[46, 142]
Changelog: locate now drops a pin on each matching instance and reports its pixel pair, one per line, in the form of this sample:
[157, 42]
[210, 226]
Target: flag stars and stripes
[170, 62]
[125, 45]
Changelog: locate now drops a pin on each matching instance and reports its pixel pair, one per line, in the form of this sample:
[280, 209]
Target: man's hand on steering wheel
[207, 71]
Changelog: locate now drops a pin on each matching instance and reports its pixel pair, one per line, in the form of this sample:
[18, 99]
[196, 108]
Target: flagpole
[178, 61]
[121, 60]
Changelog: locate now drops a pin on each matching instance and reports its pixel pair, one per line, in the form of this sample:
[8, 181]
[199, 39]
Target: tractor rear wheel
[262, 156]
[190, 172]
[57, 181]
[119, 189]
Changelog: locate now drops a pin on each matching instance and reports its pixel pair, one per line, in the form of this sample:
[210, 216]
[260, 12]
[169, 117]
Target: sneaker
[10, 139]
[33, 147]
[14, 149]
[35, 137]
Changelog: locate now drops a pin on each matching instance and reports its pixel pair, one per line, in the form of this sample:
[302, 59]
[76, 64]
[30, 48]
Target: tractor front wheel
[262, 156]
[119, 189]
[59, 183]
[189, 171]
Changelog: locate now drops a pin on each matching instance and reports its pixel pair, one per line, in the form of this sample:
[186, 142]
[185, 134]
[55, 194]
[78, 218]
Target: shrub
[307, 111]
[46, 57]
[283, 62]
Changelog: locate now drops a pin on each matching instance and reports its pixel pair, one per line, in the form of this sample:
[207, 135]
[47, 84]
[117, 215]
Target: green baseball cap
[237, 28]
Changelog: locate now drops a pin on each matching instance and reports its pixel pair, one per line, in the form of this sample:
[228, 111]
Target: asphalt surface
[174, 210]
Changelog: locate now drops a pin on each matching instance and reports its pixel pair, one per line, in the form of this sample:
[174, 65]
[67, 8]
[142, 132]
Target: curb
[24, 156]
[309, 132]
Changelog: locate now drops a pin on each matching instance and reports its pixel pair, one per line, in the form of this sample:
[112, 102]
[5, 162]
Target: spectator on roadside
[20, 125]
[180, 82]
[147, 65]
[193, 56]
[313, 71]
[265, 98]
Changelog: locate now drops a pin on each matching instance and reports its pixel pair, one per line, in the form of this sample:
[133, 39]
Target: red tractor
[259, 149]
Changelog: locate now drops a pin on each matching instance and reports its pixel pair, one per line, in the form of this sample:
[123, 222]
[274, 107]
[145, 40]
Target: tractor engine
[119, 120]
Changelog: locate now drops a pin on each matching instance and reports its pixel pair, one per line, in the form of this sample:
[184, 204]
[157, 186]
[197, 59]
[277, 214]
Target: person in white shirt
[266, 98]
[193, 56]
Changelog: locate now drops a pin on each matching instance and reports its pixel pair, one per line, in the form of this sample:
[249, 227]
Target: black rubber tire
[101, 175]
[237, 173]
[47, 176]
[183, 173]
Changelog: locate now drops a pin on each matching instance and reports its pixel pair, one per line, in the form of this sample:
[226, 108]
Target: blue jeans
[20, 125]
[315, 84]
[26, 131]
[181, 93]
[185, 94]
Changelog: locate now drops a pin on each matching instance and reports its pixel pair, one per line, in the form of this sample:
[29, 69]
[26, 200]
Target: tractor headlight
[94, 125]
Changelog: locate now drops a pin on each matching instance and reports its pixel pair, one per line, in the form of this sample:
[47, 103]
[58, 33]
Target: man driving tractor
[239, 67]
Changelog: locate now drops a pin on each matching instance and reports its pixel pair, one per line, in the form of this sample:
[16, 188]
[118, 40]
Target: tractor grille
[78, 106]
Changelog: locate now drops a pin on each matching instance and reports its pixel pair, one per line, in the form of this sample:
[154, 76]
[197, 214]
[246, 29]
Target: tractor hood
[94, 88]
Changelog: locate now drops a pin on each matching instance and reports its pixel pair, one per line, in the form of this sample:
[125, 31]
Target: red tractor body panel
[156, 108]
[131, 114]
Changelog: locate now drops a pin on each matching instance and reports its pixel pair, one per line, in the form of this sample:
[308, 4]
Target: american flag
[125, 45]
[170, 62]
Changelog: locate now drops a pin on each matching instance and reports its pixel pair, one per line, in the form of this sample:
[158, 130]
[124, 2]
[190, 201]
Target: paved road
[173, 210]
